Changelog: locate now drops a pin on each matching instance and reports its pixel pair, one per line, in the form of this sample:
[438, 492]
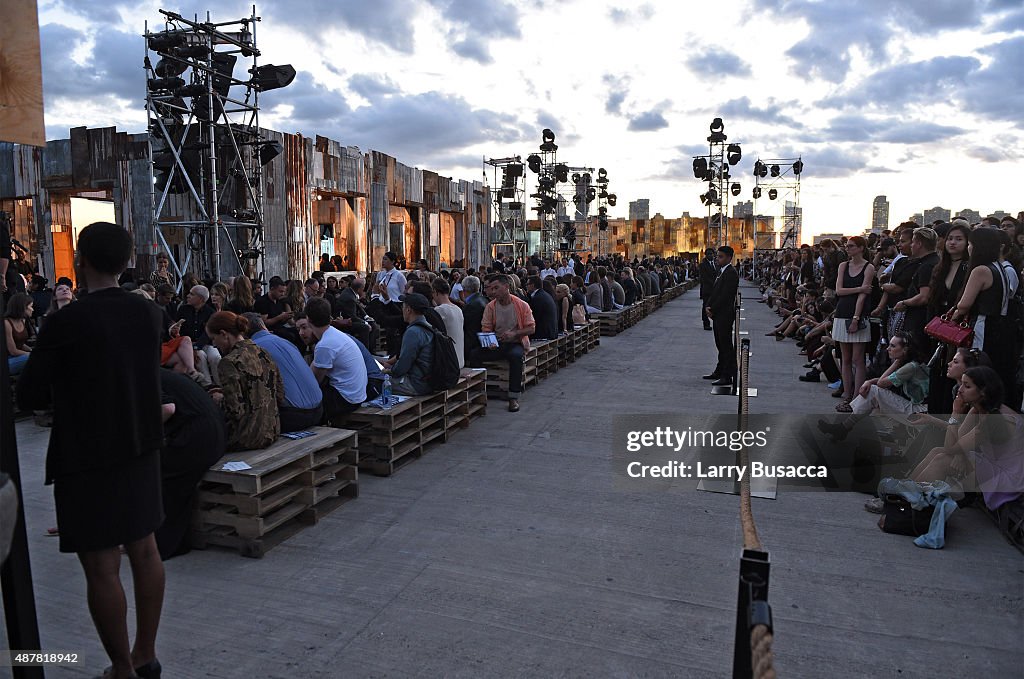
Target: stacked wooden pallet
[547, 357]
[291, 484]
[392, 437]
[466, 401]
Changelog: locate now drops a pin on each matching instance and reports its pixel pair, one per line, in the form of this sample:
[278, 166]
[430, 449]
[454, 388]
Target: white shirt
[338, 352]
[395, 282]
[897, 258]
[456, 289]
[453, 325]
[547, 272]
[566, 270]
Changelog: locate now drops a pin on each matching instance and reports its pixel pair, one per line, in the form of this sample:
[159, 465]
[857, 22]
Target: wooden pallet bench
[289, 485]
[391, 438]
[611, 323]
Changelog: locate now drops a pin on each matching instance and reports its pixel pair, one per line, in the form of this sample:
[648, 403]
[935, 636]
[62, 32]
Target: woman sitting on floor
[984, 440]
[900, 391]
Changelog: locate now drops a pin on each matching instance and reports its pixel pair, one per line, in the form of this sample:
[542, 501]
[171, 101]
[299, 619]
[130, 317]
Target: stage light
[798, 167]
[562, 172]
[576, 177]
[733, 153]
[169, 68]
[603, 194]
[270, 150]
[725, 173]
[591, 194]
[602, 175]
[270, 77]
[717, 131]
[717, 125]
[191, 91]
[165, 42]
[192, 51]
[757, 192]
[602, 211]
[165, 84]
[548, 141]
[760, 169]
[772, 194]
[533, 160]
[735, 189]
[586, 177]
[244, 215]
[775, 170]
[546, 182]
[700, 168]
[612, 199]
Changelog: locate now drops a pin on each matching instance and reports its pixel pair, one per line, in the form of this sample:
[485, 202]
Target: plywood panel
[21, 76]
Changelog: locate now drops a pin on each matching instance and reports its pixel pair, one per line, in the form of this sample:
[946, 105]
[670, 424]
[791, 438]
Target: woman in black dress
[948, 279]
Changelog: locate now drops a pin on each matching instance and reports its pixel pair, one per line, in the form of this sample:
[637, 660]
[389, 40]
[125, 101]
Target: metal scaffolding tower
[206, 146]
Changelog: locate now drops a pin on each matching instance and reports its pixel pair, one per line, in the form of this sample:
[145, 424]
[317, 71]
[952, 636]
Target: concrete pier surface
[509, 552]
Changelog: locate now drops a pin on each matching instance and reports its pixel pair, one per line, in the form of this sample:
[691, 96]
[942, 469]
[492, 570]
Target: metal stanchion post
[751, 608]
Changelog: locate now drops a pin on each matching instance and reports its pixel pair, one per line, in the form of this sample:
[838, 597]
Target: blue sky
[920, 100]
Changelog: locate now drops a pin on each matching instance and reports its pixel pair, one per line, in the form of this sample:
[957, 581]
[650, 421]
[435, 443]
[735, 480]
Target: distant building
[917, 218]
[833, 236]
[936, 214]
[972, 216]
[640, 209]
[999, 214]
[879, 214]
[743, 209]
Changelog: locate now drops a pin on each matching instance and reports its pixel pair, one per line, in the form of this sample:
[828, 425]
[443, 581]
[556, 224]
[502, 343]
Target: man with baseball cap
[410, 371]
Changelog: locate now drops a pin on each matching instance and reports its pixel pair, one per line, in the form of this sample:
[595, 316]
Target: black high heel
[150, 670]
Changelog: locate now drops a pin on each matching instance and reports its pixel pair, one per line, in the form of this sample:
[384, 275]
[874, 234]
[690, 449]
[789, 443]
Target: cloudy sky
[921, 100]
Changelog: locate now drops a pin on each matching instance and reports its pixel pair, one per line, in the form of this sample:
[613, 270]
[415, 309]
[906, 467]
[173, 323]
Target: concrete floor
[509, 551]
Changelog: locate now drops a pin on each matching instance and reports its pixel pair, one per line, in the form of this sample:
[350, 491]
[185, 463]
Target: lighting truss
[779, 179]
[509, 194]
[206, 146]
[714, 169]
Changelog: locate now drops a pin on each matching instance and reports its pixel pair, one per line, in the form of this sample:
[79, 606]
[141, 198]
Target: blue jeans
[17, 363]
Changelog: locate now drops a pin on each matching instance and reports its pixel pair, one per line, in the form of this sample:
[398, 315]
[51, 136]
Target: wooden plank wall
[21, 75]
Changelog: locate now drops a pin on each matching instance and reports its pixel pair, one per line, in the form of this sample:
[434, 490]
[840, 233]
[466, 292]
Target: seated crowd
[858, 310]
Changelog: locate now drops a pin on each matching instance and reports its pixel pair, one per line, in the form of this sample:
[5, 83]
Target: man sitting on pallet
[410, 372]
[337, 363]
[511, 319]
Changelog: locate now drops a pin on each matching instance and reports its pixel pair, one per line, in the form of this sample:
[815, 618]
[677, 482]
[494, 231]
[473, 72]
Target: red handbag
[950, 332]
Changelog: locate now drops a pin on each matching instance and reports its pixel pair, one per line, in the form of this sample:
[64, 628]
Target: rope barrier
[753, 612]
[762, 660]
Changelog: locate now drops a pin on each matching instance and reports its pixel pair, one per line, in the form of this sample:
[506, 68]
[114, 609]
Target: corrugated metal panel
[57, 163]
[379, 214]
[27, 168]
[301, 254]
[6, 170]
[275, 212]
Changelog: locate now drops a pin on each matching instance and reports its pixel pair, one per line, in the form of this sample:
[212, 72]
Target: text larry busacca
[676, 440]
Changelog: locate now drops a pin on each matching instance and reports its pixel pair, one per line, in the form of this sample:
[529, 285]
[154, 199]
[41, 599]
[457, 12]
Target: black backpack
[444, 366]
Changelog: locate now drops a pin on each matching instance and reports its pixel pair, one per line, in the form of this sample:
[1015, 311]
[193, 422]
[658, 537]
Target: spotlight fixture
[700, 168]
[270, 77]
[169, 68]
[165, 84]
[192, 51]
[591, 194]
[244, 215]
[798, 167]
[533, 160]
[586, 177]
[163, 43]
[191, 91]
[772, 194]
[757, 192]
[776, 170]
[576, 177]
[733, 153]
[760, 169]
[735, 189]
[602, 175]
[270, 150]
[562, 172]
[548, 144]
[612, 199]
[717, 135]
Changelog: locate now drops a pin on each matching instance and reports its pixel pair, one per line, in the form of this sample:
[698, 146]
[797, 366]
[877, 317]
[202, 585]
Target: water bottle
[385, 393]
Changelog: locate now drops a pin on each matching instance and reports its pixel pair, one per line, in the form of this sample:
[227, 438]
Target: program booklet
[488, 340]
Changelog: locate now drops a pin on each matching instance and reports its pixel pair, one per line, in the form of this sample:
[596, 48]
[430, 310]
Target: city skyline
[441, 84]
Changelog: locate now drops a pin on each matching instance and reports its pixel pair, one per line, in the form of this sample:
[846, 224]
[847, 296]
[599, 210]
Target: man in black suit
[474, 304]
[545, 312]
[708, 272]
[720, 307]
